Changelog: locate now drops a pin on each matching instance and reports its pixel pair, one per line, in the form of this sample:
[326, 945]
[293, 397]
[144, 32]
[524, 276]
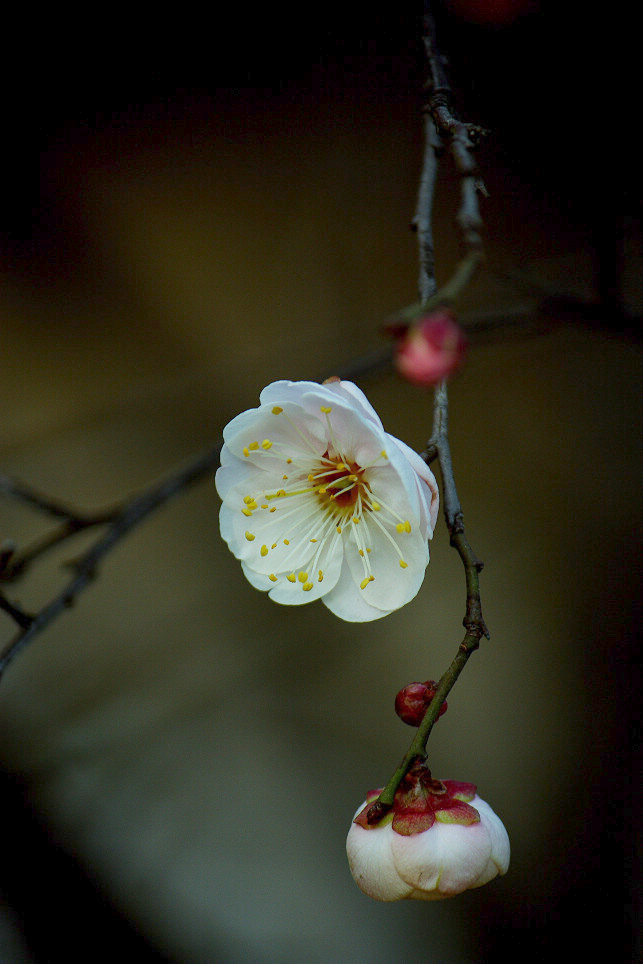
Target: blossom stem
[475, 627]
[444, 126]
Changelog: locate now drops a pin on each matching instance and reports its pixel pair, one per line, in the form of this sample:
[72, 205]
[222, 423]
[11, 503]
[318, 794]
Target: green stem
[473, 621]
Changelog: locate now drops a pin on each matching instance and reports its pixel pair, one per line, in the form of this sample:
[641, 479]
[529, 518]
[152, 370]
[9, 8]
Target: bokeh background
[193, 210]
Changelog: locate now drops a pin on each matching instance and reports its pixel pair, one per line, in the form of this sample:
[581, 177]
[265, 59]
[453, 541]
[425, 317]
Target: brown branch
[461, 137]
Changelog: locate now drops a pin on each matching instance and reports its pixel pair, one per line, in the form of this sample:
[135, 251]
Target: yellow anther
[246, 452]
[252, 505]
[289, 461]
[320, 576]
[284, 478]
[325, 409]
[364, 583]
[274, 545]
[383, 454]
[266, 444]
[322, 491]
[248, 499]
[253, 446]
[313, 540]
[353, 478]
[273, 508]
[311, 477]
[403, 526]
[355, 519]
[286, 542]
[264, 550]
[277, 410]
[272, 577]
[291, 577]
[303, 576]
[361, 552]
[264, 505]
[403, 564]
[375, 506]
[307, 586]
[281, 493]
[250, 537]
[247, 512]
[340, 465]
[339, 530]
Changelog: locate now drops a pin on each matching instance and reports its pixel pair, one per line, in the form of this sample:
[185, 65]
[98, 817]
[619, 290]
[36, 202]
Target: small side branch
[119, 520]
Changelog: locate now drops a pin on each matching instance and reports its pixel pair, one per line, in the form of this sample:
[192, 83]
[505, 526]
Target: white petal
[393, 586]
[371, 864]
[447, 858]
[347, 600]
[500, 848]
[356, 398]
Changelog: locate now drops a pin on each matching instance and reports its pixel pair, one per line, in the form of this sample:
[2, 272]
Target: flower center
[342, 486]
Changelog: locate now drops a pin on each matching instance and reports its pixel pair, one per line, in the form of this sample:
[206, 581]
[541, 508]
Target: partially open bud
[437, 840]
[412, 702]
[431, 349]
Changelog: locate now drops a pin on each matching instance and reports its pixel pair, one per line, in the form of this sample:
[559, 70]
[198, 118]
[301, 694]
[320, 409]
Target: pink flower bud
[432, 349]
[437, 840]
[411, 702]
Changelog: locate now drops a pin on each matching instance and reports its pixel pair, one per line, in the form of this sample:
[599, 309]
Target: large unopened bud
[438, 840]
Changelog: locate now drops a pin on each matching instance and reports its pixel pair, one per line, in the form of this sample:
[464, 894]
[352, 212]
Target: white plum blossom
[464, 846]
[319, 502]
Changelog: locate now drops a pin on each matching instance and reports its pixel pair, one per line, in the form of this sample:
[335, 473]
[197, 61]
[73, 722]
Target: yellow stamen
[307, 586]
[253, 446]
[403, 526]
[250, 537]
[291, 577]
[248, 499]
[247, 512]
[321, 575]
[303, 576]
[364, 583]
[246, 452]
[286, 542]
[272, 577]
[264, 550]
[277, 410]
[403, 564]
[383, 454]
[339, 530]
[326, 409]
[375, 506]
[266, 444]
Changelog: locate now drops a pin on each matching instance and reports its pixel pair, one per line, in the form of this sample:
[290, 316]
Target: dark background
[545, 82]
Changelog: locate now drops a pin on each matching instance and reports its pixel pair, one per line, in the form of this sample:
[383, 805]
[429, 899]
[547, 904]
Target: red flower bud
[432, 349]
[411, 702]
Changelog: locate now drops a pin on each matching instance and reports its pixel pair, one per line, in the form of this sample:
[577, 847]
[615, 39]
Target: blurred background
[191, 211]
